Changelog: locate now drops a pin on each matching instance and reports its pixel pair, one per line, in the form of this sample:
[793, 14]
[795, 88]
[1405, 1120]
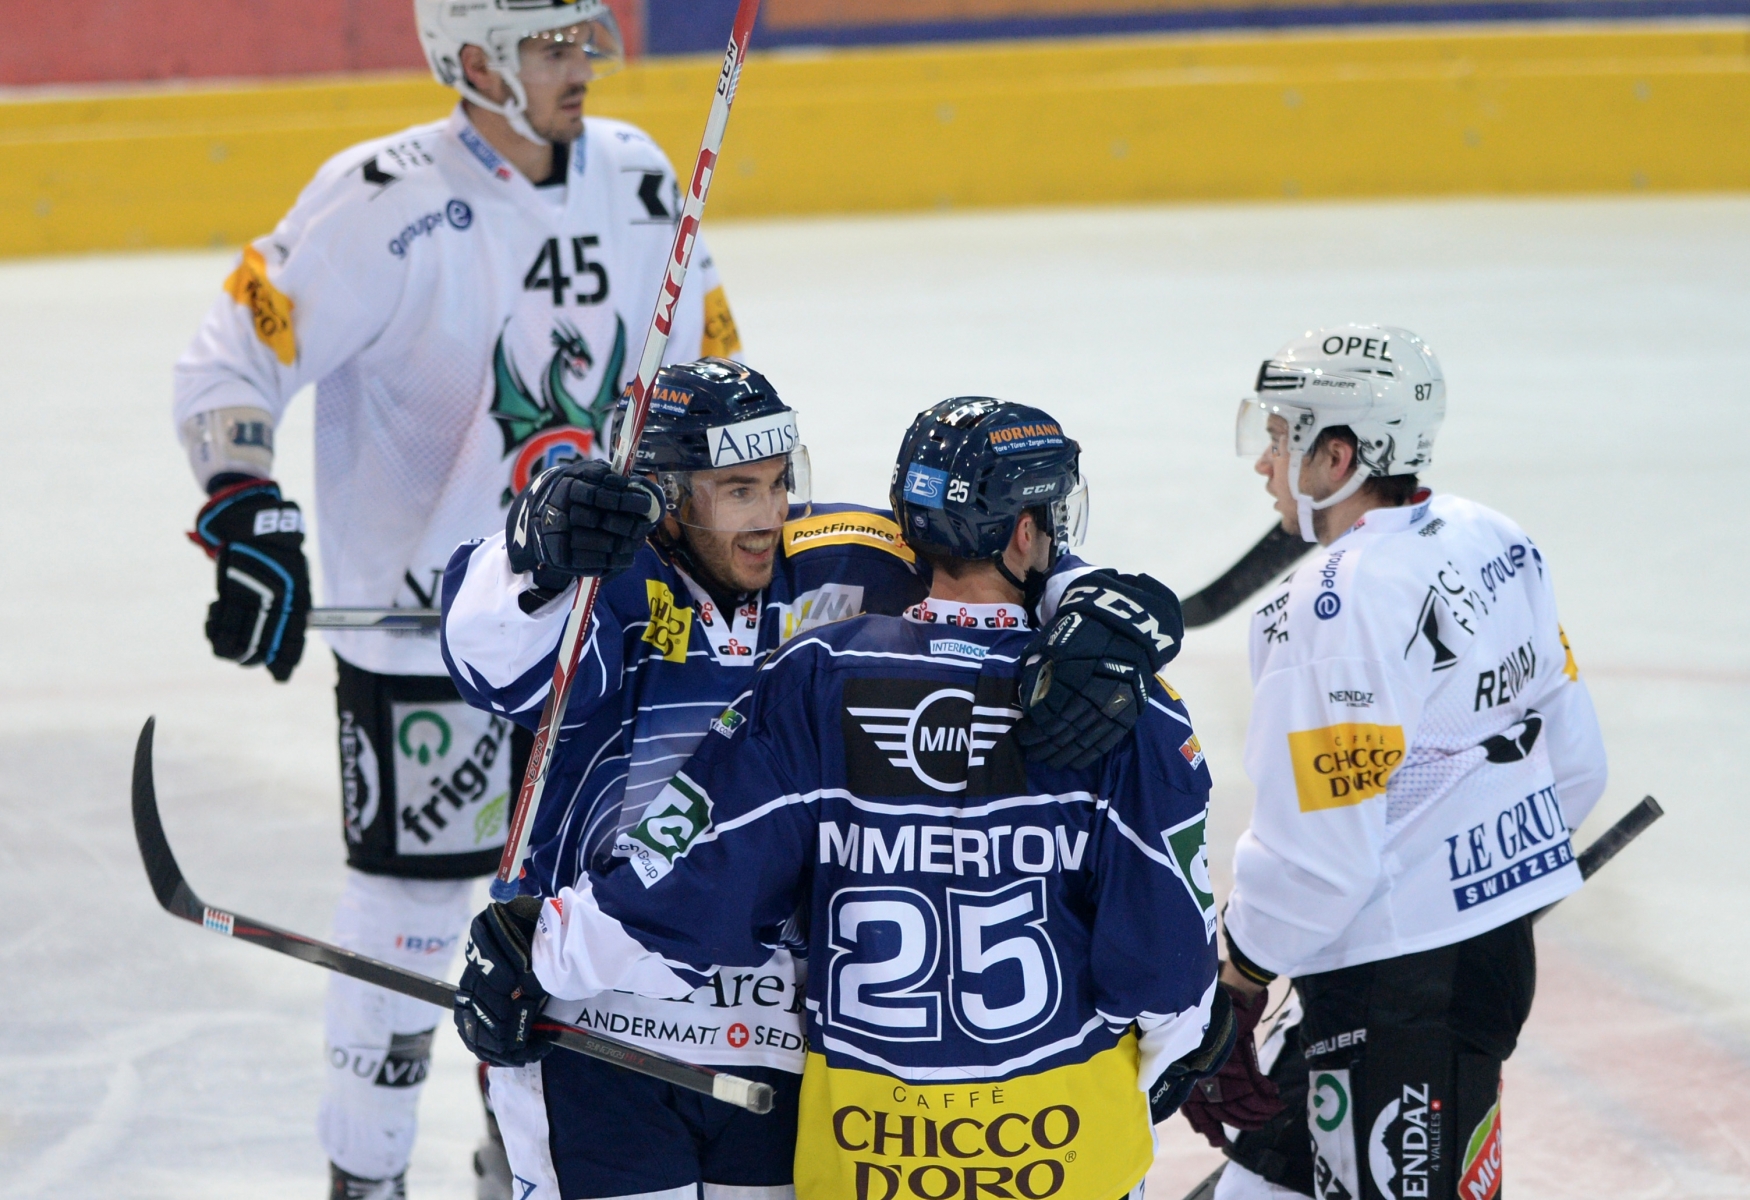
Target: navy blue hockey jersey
[985, 937]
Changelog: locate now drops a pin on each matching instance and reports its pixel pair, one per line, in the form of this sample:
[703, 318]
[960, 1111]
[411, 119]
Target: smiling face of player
[732, 518]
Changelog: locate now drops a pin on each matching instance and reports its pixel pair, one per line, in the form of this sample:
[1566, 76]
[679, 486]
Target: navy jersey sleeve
[715, 870]
[1153, 947]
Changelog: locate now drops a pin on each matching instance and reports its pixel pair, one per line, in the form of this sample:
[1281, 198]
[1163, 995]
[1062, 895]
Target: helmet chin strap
[512, 110]
[1306, 506]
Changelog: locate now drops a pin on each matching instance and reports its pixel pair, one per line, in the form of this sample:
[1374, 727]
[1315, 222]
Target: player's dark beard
[726, 595]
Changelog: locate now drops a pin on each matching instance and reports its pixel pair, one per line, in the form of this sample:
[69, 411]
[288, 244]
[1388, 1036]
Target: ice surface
[1597, 391]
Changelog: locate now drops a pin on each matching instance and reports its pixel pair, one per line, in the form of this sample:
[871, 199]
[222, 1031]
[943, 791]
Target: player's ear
[480, 74]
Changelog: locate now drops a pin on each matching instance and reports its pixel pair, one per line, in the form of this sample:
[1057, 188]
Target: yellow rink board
[1444, 111]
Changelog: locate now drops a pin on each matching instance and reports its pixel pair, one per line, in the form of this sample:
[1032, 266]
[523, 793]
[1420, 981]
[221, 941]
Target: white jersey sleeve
[257, 346]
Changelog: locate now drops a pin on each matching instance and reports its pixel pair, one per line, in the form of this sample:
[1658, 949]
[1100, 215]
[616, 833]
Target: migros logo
[1341, 765]
[946, 1154]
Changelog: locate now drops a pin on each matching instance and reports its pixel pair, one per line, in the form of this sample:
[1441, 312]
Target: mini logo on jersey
[1018, 439]
[270, 309]
[1341, 765]
[955, 646]
[925, 485]
[670, 627]
[671, 823]
[458, 214]
[900, 734]
[1192, 751]
[218, 922]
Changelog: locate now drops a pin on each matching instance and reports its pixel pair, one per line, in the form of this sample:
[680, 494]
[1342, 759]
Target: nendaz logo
[905, 733]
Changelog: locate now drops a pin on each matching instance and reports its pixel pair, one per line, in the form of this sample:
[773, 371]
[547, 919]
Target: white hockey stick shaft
[528, 803]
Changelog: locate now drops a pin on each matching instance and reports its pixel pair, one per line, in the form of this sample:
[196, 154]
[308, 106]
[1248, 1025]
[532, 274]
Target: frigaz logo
[554, 448]
[420, 732]
[1331, 1105]
[908, 736]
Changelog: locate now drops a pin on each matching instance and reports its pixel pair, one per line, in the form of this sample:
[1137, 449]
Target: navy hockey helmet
[711, 414]
[970, 466]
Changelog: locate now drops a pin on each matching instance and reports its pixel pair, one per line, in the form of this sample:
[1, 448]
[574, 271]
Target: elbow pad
[229, 441]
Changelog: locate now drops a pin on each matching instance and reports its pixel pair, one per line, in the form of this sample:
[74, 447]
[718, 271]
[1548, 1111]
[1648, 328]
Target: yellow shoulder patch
[721, 339]
[1570, 668]
[1341, 765]
[846, 529]
[269, 308]
[671, 627]
[1171, 694]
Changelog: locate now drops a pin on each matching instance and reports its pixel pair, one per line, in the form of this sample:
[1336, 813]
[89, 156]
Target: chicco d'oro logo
[416, 741]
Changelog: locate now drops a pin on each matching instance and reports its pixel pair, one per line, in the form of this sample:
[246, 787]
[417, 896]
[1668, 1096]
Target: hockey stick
[528, 800]
[1275, 553]
[393, 619]
[1608, 844]
[179, 900]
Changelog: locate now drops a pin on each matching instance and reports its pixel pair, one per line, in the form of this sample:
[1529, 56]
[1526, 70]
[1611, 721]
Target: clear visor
[741, 499]
[1266, 426]
[1069, 519]
[553, 55]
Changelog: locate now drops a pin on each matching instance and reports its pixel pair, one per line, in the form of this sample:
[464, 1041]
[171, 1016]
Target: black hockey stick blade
[386, 619]
[179, 900]
[1275, 552]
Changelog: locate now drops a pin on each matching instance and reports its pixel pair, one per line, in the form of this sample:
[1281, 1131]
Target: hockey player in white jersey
[467, 298]
[1422, 746]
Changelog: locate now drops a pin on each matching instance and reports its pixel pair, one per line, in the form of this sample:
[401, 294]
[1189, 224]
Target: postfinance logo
[1341, 765]
[671, 627]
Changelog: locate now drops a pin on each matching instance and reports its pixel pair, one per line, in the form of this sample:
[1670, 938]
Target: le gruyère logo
[1341, 765]
[551, 427]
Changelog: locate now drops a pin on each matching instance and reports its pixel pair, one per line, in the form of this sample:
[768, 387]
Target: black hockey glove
[1239, 1093]
[1176, 1082]
[499, 998]
[257, 538]
[580, 519]
[1084, 678]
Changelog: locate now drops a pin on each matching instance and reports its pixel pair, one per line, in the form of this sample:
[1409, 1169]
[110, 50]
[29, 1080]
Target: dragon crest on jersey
[552, 427]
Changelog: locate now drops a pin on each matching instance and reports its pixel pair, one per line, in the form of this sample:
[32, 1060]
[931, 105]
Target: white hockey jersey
[464, 329]
[1420, 741]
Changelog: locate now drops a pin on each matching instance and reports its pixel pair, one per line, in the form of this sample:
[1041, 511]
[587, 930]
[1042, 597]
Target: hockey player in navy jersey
[740, 564]
[1010, 963]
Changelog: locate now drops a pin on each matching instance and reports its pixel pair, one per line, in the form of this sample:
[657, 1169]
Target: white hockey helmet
[1383, 382]
[498, 27]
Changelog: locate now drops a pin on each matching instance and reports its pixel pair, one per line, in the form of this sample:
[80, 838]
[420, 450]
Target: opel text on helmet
[1382, 382]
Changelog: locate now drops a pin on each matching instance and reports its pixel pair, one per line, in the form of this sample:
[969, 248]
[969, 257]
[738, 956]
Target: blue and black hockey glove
[257, 538]
[1084, 678]
[580, 519]
[499, 998]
